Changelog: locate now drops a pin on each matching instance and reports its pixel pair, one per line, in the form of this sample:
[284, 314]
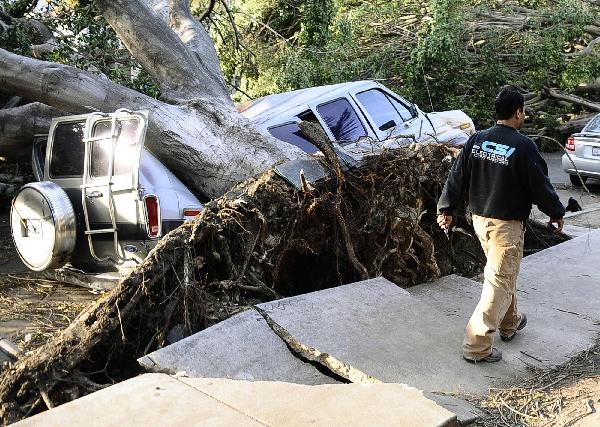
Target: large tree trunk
[195, 130]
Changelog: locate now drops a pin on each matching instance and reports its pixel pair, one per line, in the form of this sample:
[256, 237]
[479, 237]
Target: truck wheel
[576, 181]
[43, 225]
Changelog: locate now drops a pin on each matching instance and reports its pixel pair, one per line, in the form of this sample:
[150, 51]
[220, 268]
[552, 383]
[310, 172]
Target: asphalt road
[565, 189]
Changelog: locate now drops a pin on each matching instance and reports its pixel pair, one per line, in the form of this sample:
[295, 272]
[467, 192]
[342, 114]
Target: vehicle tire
[576, 181]
[43, 225]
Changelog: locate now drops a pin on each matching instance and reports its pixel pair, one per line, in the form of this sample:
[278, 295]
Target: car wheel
[576, 181]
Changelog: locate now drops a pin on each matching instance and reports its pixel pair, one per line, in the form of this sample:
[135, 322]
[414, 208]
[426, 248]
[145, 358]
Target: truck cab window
[342, 120]
[66, 159]
[385, 111]
[292, 134]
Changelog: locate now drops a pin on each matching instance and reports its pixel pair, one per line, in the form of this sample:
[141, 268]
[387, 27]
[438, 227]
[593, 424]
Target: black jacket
[503, 174]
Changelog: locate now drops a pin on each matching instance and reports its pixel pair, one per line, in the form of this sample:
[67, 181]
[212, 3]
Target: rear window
[127, 139]
[66, 160]
[342, 120]
[593, 125]
[292, 134]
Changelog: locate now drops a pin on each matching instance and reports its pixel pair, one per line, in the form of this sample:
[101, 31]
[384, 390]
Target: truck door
[390, 117]
[110, 189]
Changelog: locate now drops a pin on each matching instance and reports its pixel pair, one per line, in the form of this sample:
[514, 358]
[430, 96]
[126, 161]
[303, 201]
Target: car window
[66, 159]
[125, 148]
[383, 109]
[593, 125]
[342, 120]
[401, 108]
[292, 134]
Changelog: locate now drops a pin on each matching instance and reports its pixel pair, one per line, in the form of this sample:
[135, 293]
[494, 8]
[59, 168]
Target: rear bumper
[586, 167]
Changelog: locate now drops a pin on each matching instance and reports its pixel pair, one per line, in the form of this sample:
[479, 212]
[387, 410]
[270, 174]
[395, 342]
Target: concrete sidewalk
[159, 399]
[374, 331]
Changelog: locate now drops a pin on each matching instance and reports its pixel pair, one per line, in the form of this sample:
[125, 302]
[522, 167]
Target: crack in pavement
[326, 360]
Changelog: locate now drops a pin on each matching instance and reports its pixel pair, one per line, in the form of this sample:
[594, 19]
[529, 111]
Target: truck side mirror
[388, 125]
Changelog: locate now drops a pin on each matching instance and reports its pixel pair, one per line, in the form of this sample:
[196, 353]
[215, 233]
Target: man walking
[503, 174]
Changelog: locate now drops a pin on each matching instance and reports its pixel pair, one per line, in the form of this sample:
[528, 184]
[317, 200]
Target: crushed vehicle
[584, 153]
[361, 117]
[102, 200]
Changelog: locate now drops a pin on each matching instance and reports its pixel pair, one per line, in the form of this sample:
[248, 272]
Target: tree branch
[19, 125]
[573, 99]
[176, 69]
[208, 10]
[588, 49]
[66, 88]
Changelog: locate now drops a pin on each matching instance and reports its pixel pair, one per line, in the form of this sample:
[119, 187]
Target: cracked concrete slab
[565, 277]
[241, 347]
[381, 330]
[159, 399]
[551, 337]
[278, 404]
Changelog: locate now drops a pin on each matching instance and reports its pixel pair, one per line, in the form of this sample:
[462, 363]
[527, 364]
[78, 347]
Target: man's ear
[520, 111]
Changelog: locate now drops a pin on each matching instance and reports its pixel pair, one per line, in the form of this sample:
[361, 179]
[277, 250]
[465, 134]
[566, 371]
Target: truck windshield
[292, 134]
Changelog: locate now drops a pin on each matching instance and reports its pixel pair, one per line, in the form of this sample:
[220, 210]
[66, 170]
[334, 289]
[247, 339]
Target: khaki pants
[502, 242]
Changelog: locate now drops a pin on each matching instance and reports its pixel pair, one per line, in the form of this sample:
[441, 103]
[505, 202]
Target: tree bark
[19, 125]
[179, 72]
[194, 36]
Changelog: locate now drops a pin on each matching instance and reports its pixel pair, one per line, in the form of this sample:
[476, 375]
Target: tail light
[152, 215]
[191, 213]
[570, 145]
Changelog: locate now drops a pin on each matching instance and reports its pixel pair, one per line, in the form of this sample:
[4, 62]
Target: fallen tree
[262, 240]
[194, 128]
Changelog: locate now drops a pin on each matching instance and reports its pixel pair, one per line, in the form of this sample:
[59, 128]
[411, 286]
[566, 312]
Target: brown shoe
[521, 325]
[494, 356]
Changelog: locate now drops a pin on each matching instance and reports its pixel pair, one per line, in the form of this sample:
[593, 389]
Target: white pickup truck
[362, 118]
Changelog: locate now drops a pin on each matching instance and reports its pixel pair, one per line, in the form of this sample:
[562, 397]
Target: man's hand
[556, 229]
[444, 220]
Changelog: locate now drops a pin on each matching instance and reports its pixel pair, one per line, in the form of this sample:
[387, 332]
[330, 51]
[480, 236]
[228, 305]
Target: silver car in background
[584, 151]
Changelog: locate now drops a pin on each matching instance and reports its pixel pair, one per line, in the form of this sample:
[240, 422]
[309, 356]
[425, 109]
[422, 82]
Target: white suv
[102, 200]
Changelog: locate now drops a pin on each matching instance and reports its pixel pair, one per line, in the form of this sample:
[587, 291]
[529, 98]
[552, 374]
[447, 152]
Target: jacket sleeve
[542, 192]
[456, 184]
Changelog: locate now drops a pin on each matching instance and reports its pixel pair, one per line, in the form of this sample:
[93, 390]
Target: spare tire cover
[43, 225]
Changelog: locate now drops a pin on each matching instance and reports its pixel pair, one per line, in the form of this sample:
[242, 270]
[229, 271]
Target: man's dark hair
[508, 101]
